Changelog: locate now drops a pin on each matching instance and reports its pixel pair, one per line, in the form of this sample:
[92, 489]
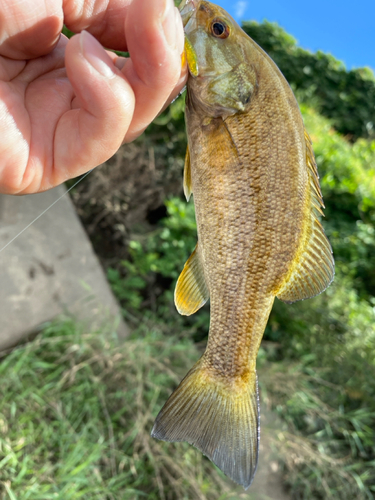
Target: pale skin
[66, 106]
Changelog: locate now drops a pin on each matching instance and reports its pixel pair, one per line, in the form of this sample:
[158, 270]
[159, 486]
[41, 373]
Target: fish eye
[219, 29]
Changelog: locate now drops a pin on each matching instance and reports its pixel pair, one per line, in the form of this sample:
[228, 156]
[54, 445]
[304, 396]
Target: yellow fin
[187, 176]
[191, 58]
[313, 172]
[220, 419]
[315, 268]
[314, 271]
[191, 291]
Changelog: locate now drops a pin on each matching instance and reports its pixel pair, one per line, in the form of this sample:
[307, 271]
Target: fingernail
[172, 26]
[94, 53]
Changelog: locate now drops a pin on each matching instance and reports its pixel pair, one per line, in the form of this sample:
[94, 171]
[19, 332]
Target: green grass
[76, 411]
[326, 450]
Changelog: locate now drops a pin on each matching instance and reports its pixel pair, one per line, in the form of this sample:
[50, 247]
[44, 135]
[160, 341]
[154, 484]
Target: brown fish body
[252, 172]
[251, 201]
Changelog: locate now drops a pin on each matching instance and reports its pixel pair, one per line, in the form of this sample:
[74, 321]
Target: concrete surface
[49, 270]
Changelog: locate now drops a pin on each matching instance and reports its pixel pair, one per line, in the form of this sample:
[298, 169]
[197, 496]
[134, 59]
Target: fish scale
[252, 172]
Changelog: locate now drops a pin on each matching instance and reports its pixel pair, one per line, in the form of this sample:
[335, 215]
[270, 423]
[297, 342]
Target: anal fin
[191, 291]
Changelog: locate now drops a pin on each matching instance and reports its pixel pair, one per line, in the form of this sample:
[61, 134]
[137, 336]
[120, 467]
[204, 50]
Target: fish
[252, 172]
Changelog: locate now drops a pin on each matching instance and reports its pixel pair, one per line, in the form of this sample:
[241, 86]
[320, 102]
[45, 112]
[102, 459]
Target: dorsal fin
[313, 169]
[187, 176]
[314, 268]
[316, 193]
[191, 291]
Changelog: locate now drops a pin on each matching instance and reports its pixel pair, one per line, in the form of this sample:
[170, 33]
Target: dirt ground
[268, 483]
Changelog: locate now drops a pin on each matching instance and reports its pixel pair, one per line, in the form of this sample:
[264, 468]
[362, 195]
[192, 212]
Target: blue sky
[345, 29]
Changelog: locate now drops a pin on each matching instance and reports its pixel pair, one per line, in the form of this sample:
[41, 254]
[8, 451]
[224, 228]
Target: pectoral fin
[314, 268]
[187, 176]
[191, 291]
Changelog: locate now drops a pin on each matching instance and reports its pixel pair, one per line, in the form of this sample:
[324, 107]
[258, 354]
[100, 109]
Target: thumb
[103, 107]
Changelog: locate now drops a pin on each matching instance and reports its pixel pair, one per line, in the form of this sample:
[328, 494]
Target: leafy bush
[148, 278]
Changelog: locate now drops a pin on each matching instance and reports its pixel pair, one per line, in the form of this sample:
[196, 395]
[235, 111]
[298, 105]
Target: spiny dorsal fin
[191, 291]
[187, 176]
[220, 420]
[315, 268]
[313, 172]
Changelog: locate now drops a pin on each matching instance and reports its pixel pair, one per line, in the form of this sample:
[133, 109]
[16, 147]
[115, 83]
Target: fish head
[218, 52]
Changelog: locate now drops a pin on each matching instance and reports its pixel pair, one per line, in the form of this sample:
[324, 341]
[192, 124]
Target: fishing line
[46, 210]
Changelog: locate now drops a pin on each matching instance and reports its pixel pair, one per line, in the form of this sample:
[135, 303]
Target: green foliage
[67, 32]
[75, 417]
[159, 253]
[148, 278]
[347, 97]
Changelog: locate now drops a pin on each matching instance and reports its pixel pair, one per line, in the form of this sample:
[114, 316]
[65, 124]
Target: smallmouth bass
[251, 168]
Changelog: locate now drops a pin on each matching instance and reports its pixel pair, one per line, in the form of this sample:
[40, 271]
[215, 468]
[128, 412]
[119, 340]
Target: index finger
[154, 71]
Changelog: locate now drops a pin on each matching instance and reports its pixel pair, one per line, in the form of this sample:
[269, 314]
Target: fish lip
[187, 8]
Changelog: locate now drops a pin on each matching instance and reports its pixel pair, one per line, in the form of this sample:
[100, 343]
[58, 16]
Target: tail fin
[221, 421]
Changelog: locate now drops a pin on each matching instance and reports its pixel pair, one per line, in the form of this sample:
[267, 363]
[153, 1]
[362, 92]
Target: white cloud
[240, 8]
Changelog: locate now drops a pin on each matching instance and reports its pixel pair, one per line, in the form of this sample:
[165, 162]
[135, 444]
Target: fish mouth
[187, 8]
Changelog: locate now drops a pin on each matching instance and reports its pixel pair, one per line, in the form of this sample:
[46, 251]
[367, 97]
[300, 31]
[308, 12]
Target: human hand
[67, 105]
